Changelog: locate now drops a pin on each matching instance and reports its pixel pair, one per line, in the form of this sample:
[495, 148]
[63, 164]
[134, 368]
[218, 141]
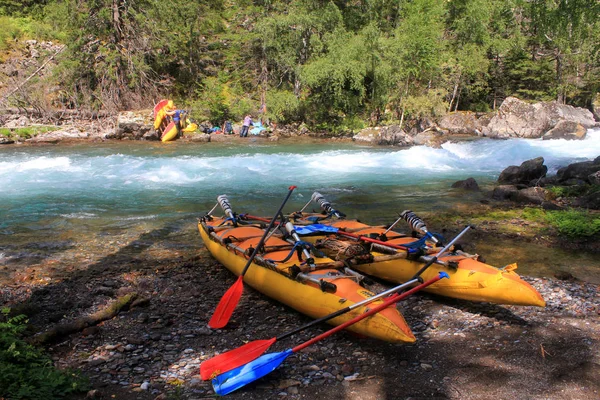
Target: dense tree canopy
[337, 62]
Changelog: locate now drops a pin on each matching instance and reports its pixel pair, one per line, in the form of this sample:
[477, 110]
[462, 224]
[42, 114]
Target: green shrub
[25, 371]
[574, 223]
[26, 132]
[568, 191]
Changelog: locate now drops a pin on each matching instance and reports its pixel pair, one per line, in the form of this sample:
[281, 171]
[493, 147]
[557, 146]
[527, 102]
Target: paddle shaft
[348, 309]
[442, 251]
[262, 240]
[394, 299]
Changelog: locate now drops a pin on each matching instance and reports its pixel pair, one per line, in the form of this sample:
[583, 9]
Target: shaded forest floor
[464, 350]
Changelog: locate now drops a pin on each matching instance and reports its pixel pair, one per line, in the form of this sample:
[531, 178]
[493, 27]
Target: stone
[467, 184]
[529, 170]
[569, 130]
[533, 195]
[504, 192]
[516, 118]
[580, 170]
[386, 135]
[464, 122]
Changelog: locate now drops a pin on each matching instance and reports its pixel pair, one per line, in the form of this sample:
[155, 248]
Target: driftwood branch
[90, 320]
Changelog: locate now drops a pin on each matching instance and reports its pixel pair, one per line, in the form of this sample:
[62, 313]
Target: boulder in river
[581, 171]
[528, 171]
[516, 118]
[386, 135]
[464, 123]
[569, 130]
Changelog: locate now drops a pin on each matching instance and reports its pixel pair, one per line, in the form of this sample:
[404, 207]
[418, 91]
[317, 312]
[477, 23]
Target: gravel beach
[153, 350]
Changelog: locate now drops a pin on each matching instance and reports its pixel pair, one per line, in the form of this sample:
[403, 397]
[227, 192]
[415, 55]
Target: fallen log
[90, 320]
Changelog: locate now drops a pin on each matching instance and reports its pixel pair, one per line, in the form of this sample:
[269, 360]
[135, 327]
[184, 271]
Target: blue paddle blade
[314, 228]
[241, 376]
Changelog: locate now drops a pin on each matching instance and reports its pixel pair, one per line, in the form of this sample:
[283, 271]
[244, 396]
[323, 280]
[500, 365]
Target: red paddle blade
[234, 358]
[228, 303]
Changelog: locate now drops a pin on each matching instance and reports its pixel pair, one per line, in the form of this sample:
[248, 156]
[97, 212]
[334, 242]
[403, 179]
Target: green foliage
[375, 60]
[567, 191]
[574, 223]
[283, 105]
[26, 372]
[26, 132]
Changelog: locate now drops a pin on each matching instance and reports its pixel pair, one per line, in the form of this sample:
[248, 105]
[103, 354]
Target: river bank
[153, 350]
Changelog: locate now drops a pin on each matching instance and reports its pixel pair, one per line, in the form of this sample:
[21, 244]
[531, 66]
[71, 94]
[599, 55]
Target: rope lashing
[298, 246]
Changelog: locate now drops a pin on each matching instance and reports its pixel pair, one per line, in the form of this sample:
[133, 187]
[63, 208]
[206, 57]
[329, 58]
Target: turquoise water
[88, 189]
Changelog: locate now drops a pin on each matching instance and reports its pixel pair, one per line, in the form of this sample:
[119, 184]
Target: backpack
[228, 128]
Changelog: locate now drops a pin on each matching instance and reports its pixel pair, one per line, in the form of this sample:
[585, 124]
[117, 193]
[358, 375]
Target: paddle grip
[224, 203]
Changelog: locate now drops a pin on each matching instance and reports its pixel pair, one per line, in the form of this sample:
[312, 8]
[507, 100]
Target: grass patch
[528, 221]
[25, 371]
[26, 132]
[574, 223]
[568, 191]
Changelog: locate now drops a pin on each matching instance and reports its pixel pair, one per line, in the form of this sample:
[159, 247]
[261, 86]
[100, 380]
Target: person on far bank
[246, 126]
[177, 116]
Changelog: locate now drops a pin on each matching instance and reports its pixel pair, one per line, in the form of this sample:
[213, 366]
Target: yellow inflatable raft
[470, 279]
[315, 293]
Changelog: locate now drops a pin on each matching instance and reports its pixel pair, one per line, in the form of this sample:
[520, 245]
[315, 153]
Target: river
[75, 203]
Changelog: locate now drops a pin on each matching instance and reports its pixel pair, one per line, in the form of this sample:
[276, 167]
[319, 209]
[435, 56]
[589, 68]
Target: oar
[442, 251]
[236, 378]
[232, 296]
[244, 354]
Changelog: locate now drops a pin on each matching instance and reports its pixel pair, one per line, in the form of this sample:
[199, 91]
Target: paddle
[232, 297]
[236, 378]
[244, 354]
[442, 251]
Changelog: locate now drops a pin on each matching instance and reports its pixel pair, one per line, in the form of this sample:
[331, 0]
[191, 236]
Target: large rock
[527, 172]
[467, 184]
[65, 133]
[464, 123]
[387, 135]
[130, 130]
[569, 130]
[531, 195]
[516, 118]
[579, 171]
[133, 125]
[591, 201]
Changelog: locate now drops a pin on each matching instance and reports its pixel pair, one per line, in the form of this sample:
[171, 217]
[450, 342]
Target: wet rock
[580, 171]
[529, 170]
